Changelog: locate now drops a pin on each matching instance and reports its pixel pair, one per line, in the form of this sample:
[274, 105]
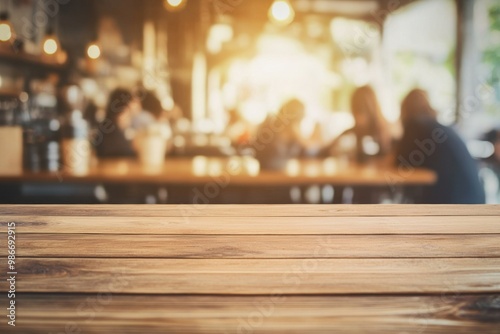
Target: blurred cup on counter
[76, 156]
[151, 144]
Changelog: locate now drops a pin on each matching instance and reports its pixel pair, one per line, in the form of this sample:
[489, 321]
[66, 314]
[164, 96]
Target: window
[419, 52]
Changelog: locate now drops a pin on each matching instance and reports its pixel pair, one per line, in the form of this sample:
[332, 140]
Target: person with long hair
[428, 144]
[368, 122]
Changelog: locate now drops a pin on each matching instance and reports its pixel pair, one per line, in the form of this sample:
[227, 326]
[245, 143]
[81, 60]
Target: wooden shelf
[9, 92]
[23, 58]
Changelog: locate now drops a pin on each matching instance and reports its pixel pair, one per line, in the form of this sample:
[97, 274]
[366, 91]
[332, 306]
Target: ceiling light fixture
[94, 51]
[174, 5]
[6, 30]
[281, 12]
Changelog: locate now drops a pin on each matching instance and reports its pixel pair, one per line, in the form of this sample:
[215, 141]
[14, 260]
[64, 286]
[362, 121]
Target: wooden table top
[254, 269]
[240, 171]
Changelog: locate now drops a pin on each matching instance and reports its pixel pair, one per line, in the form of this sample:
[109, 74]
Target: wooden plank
[254, 225]
[255, 246]
[262, 270]
[255, 314]
[252, 276]
[196, 210]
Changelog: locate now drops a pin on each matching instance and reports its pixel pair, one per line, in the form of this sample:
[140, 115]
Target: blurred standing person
[117, 139]
[428, 144]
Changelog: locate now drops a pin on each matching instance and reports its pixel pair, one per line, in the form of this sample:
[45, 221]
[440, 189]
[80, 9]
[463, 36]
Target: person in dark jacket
[428, 144]
[121, 107]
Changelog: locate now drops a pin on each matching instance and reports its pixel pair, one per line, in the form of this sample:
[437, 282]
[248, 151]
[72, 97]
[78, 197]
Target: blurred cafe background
[249, 101]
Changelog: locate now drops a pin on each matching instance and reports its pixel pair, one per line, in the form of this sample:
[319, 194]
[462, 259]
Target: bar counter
[239, 171]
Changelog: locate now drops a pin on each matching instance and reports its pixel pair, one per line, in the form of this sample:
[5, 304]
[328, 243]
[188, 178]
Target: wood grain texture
[255, 246]
[254, 225]
[258, 276]
[257, 314]
[216, 210]
[254, 269]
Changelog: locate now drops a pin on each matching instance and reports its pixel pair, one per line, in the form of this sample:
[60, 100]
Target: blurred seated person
[237, 129]
[369, 124]
[278, 138]
[370, 137]
[117, 138]
[490, 168]
[178, 121]
[153, 121]
[429, 144]
[146, 115]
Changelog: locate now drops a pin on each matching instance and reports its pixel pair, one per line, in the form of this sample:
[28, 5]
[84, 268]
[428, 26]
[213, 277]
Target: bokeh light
[94, 51]
[281, 12]
[5, 32]
[50, 46]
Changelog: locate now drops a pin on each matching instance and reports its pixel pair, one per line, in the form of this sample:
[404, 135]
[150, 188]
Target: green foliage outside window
[491, 55]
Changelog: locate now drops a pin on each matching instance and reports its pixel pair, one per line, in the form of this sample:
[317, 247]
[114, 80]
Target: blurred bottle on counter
[41, 127]
[32, 160]
[76, 147]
